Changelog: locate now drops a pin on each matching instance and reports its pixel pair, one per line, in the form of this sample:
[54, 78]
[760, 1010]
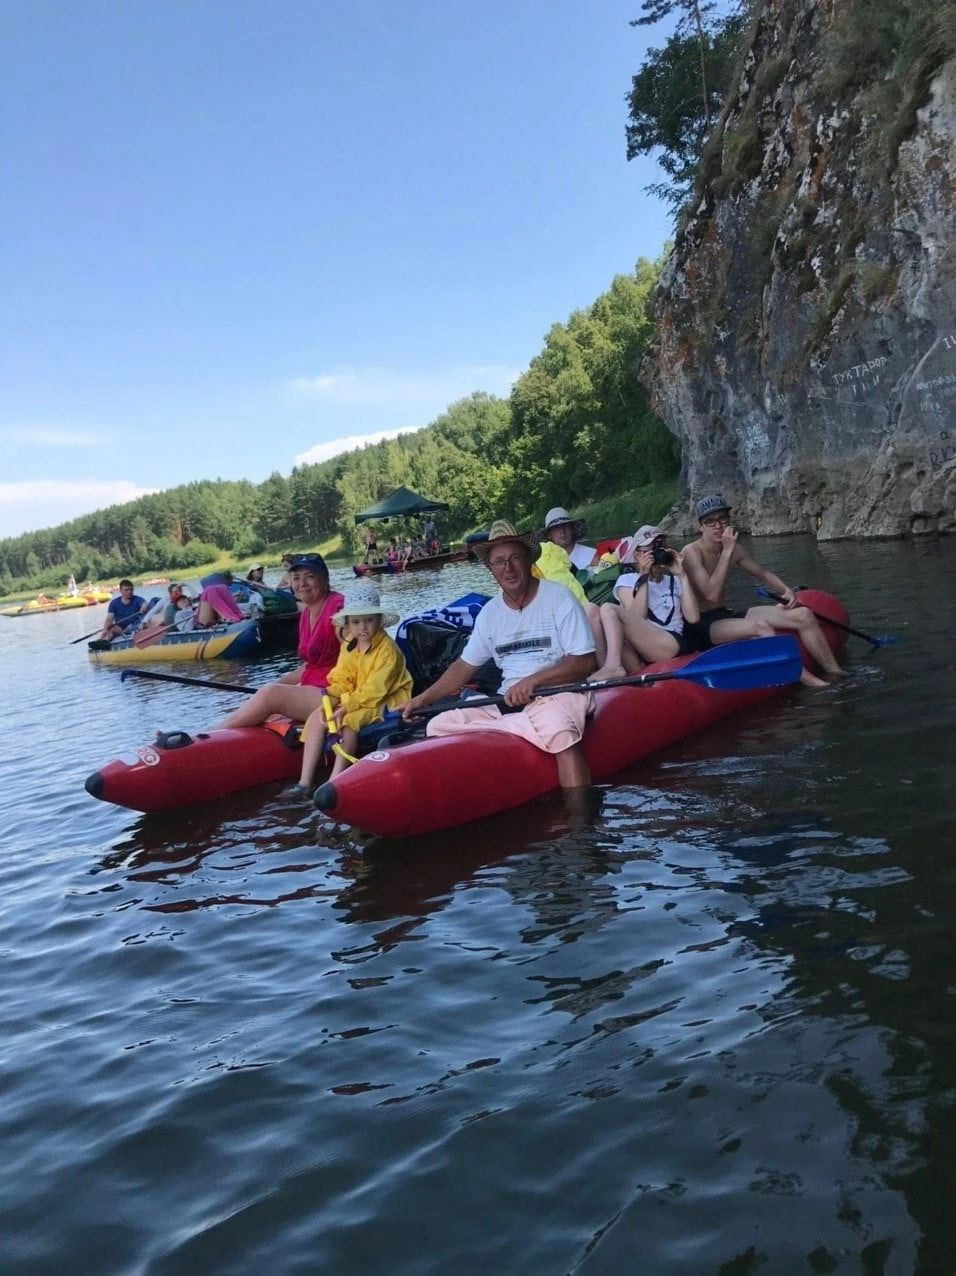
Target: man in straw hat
[537, 634]
[710, 560]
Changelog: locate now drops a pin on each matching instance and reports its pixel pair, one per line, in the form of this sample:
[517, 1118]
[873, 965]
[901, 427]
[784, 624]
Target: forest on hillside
[576, 428]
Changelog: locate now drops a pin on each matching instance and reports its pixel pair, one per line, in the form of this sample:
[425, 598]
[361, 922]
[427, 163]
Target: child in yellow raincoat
[369, 677]
[605, 621]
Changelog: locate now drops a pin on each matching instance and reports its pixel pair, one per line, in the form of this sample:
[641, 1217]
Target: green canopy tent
[401, 504]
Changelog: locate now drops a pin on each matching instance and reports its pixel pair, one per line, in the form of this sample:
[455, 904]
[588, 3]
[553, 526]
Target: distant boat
[433, 562]
[238, 638]
[64, 602]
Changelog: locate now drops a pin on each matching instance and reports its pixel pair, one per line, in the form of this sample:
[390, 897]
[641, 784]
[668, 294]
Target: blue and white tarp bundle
[434, 639]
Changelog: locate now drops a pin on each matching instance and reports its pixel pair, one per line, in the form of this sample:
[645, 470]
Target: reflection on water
[711, 1027]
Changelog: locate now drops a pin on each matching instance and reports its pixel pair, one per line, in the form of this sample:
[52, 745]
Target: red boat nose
[94, 784]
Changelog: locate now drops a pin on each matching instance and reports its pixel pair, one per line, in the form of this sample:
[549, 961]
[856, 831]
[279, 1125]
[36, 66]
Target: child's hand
[339, 716]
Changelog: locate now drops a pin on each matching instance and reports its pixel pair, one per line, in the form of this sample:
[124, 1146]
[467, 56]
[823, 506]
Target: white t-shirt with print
[552, 626]
[659, 600]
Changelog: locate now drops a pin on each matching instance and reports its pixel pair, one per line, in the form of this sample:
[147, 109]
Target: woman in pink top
[298, 693]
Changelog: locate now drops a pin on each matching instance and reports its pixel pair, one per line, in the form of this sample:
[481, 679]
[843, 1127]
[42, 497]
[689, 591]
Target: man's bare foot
[607, 671]
[811, 680]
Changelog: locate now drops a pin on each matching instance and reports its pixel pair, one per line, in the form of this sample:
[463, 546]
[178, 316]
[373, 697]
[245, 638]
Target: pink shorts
[551, 723]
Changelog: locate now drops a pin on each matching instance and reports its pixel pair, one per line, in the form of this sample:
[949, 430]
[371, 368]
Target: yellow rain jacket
[369, 682]
[555, 565]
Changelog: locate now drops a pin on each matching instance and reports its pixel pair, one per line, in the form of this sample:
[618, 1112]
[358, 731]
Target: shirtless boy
[709, 561]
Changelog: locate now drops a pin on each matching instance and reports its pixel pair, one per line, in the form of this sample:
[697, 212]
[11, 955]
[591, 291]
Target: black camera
[662, 556]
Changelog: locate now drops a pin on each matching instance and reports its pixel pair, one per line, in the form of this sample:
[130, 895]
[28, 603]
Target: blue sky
[238, 233]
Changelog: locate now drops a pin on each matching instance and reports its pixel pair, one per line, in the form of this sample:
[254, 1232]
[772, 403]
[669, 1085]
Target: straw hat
[500, 532]
[364, 600]
[558, 516]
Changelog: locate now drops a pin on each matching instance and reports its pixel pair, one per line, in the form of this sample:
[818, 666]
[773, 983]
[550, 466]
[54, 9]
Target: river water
[710, 1031]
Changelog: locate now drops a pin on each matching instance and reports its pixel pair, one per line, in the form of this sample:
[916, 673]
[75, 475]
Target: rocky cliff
[807, 334]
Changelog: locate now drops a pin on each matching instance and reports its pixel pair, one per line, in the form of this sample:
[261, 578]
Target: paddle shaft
[748, 658]
[637, 680]
[825, 620]
[187, 682]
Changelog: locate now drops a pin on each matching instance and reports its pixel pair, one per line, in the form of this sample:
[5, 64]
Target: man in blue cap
[709, 561]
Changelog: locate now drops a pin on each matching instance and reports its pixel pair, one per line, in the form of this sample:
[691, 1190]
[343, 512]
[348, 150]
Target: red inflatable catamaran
[437, 784]
[427, 785]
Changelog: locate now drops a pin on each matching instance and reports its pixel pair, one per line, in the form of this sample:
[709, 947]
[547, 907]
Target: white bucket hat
[364, 600]
[555, 517]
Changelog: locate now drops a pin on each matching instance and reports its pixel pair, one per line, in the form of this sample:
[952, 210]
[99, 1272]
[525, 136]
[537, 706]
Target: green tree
[680, 88]
[274, 508]
[581, 424]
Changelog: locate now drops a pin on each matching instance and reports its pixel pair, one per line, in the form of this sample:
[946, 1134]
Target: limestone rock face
[806, 356]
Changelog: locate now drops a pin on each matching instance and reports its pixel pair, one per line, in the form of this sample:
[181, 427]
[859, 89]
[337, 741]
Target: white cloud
[431, 391]
[348, 443]
[30, 505]
[51, 436]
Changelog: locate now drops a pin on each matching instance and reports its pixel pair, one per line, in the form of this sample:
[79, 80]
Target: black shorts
[700, 630]
[694, 638]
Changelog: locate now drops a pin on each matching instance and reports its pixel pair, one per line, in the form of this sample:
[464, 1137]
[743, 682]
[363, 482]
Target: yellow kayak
[65, 602]
[235, 639]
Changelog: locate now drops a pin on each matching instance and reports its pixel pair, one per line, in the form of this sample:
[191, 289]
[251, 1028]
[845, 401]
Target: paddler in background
[566, 531]
[709, 561]
[121, 610]
[537, 634]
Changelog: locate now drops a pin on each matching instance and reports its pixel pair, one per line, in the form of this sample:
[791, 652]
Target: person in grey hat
[708, 562]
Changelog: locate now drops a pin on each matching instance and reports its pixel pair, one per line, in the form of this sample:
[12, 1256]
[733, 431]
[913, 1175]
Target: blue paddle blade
[883, 640]
[745, 666]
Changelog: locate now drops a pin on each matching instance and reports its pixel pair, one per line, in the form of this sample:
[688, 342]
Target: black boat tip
[94, 784]
[325, 797]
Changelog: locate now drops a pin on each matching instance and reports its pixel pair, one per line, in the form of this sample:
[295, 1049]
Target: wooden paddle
[749, 665]
[188, 682]
[884, 640]
[145, 639]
